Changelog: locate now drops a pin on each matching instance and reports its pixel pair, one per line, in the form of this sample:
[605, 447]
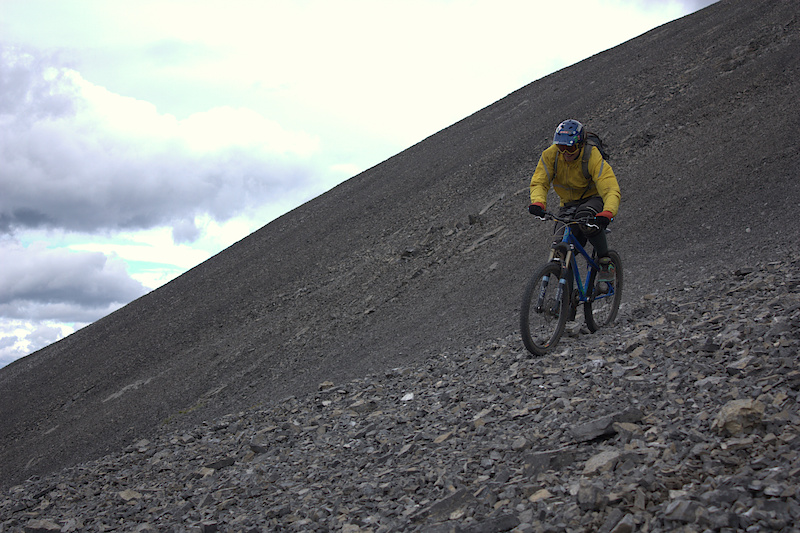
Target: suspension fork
[563, 281]
[542, 292]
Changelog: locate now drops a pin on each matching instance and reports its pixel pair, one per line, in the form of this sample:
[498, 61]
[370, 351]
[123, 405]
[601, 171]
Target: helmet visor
[565, 149]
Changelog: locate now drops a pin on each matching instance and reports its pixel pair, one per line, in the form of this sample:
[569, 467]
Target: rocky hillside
[427, 253]
[683, 417]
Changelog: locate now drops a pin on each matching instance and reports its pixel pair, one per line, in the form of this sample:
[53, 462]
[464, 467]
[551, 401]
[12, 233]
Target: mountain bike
[555, 291]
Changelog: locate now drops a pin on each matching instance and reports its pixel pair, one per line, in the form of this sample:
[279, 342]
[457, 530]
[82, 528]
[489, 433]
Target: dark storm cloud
[60, 284]
[40, 289]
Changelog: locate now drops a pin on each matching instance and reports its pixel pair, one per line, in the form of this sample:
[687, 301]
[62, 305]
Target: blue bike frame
[569, 243]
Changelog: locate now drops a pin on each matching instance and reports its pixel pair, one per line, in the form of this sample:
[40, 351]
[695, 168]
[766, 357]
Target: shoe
[607, 270]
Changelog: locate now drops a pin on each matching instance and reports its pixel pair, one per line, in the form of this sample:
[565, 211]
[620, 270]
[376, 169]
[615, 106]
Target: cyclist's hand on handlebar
[603, 218]
[536, 209]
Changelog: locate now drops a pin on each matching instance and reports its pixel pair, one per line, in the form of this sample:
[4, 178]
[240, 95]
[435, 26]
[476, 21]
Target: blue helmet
[569, 133]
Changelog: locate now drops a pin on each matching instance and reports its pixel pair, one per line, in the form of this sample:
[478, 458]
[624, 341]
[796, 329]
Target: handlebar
[586, 221]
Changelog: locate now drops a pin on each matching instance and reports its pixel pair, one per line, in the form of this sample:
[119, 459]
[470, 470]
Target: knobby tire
[541, 329]
[603, 311]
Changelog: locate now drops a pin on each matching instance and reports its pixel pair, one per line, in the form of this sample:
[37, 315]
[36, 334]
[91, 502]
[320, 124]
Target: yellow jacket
[570, 184]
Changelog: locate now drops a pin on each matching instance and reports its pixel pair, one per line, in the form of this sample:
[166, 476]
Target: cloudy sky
[140, 137]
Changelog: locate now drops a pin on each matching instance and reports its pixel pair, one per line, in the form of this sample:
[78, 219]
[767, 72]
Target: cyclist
[597, 197]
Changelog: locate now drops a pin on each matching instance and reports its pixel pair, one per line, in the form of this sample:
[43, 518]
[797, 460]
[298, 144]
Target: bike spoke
[602, 310]
[543, 311]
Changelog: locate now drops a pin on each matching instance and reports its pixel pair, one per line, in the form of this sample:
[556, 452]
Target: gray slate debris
[682, 417]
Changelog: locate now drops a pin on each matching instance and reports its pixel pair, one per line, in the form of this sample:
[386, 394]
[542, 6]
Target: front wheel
[544, 313]
[601, 309]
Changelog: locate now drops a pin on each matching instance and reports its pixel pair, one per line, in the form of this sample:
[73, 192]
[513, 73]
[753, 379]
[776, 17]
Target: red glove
[603, 218]
[536, 209]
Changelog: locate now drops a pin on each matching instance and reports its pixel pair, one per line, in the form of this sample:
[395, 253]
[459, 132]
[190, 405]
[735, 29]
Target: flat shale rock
[606, 425]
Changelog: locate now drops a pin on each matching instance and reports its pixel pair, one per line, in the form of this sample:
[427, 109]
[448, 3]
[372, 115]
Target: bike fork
[542, 293]
[559, 295]
[562, 283]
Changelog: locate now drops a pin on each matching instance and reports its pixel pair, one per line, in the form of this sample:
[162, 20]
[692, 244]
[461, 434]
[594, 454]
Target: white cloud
[151, 251]
[19, 338]
[225, 127]
[111, 162]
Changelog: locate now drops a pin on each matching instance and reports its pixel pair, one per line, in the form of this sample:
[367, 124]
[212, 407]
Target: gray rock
[602, 462]
[41, 526]
[683, 511]
[538, 462]
[604, 425]
[626, 525]
[443, 508]
[592, 497]
[739, 416]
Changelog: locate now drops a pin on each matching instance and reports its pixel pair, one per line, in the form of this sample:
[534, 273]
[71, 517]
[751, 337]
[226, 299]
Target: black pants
[588, 207]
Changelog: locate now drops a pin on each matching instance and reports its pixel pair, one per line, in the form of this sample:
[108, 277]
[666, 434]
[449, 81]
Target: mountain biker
[597, 197]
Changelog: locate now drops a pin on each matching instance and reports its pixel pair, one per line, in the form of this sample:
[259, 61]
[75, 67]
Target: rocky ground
[682, 417]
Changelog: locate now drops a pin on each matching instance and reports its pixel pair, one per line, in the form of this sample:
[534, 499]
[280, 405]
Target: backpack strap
[555, 169]
[587, 153]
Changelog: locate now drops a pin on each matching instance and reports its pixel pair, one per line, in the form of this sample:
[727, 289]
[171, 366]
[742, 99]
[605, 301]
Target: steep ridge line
[428, 251]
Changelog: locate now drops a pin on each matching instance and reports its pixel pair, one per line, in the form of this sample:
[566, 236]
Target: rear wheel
[543, 314]
[601, 309]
